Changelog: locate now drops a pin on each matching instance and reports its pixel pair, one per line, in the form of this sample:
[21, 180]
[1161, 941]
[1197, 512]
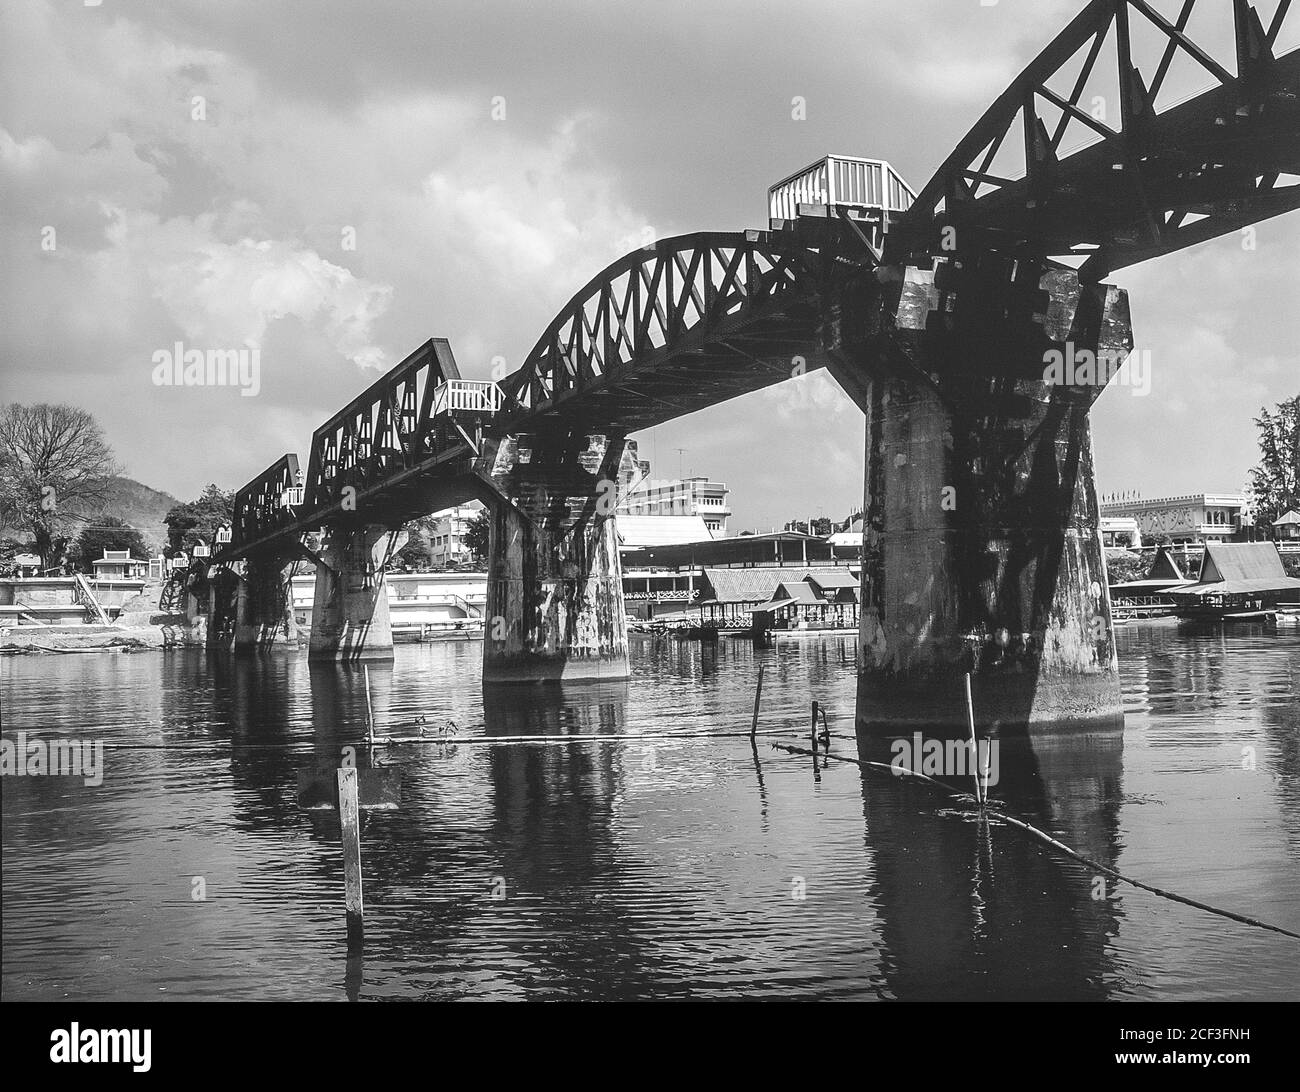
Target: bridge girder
[688, 322]
[670, 329]
[1155, 183]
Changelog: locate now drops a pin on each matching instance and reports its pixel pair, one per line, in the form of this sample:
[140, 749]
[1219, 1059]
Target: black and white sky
[621, 122]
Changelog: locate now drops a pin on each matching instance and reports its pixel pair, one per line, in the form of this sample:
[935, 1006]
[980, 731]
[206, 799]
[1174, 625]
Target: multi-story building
[683, 497]
[1190, 519]
[1121, 531]
[447, 531]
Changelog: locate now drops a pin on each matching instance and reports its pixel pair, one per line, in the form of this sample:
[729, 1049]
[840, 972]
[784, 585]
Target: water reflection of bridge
[951, 910]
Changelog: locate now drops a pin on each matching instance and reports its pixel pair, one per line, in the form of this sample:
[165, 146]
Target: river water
[677, 864]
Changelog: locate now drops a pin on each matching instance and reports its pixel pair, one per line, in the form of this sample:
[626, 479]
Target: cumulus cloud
[378, 127]
[228, 229]
[224, 294]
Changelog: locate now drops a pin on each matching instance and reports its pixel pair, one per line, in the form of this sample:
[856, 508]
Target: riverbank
[169, 631]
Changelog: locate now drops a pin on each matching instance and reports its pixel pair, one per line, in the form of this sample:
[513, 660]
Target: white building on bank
[1191, 519]
[447, 533]
[681, 497]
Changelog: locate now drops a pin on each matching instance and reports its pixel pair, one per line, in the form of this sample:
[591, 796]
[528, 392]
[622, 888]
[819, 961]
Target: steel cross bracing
[676, 326]
[260, 506]
[664, 331]
[1153, 182]
[692, 321]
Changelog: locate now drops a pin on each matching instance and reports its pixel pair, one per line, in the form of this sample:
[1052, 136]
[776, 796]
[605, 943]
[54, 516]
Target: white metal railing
[840, 180]
[292, 497]
[466, 395]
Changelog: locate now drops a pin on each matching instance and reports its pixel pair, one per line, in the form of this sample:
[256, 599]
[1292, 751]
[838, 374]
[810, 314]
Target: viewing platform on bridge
[471, 396]
[867, 193]
[841, 181]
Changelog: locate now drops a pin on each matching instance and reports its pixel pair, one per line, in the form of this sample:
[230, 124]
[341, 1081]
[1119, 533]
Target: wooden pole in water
[812, 732]
[974, 747]
[370, 713]
[758, 694]
[350, 820]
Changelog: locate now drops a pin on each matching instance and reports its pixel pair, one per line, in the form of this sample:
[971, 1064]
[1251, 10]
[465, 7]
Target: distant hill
[136, 504]
[143, 508]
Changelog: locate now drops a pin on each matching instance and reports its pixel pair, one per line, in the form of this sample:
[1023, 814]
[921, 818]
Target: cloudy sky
[203, 164]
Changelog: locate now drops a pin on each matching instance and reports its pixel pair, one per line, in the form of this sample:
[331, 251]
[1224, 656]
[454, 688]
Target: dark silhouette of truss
[259, 506]
[668, 329]
[689, 322]
[1154, 183]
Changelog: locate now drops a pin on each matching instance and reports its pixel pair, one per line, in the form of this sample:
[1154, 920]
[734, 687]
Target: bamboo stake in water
[758, 695]
[812, 732]
[370, 713]
[349, 818]
[974, 746]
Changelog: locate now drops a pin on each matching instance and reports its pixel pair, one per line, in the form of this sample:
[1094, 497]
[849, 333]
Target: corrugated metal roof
[1241, 561]
[756, 585]
[1285, 521]
[1130, 587]
[1240, 587]
[799, 592]
[791, 593]
[637, 531]
[836, 578]
[1164, 567]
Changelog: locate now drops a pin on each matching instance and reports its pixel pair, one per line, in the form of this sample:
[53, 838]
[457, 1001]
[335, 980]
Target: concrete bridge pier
[555, 588]
[223, 600]
[982, 549]
[263, 614]
[349, 619]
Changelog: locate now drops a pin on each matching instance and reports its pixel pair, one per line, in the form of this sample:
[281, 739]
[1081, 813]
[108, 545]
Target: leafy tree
[416, 554]
[1275, 482]
[1122, 566]
[54, 464]
[10, 548]
[477, 534]
[108, 533]
[194, 522]
[820, 526]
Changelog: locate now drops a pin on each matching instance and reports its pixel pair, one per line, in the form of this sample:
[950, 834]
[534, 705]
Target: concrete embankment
[140, 626]
[166, 632]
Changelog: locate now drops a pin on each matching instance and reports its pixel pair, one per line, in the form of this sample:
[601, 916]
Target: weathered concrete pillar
[349, 617]
[264, 606]
[982, 550]
[223, 599]
[555, 588]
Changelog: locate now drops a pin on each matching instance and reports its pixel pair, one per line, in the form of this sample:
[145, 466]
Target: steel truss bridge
[692, 321]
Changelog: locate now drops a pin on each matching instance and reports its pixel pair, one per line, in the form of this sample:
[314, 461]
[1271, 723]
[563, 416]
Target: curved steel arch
[719, 309]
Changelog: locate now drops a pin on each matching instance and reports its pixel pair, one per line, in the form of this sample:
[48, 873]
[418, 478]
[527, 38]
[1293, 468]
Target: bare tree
[54, 466]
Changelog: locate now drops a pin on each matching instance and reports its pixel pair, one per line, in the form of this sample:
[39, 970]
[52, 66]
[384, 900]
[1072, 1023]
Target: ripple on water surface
[665, 863]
